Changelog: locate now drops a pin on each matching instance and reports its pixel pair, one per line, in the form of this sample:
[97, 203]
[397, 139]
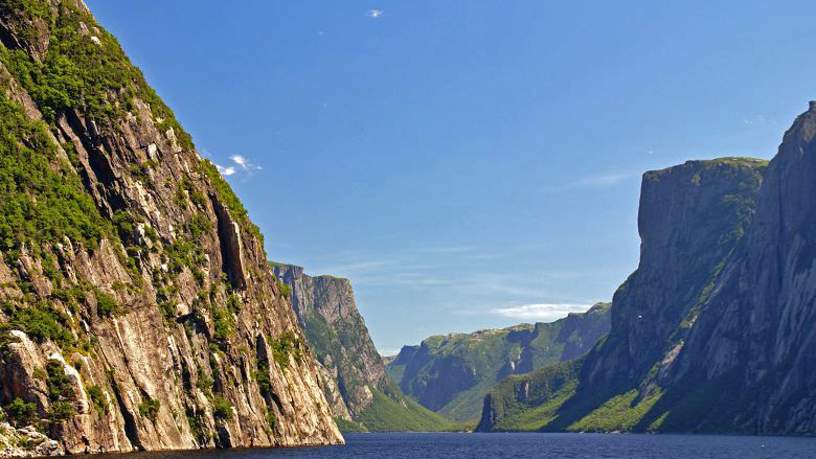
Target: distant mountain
[354, 380]
[714, 331]
[451, 374]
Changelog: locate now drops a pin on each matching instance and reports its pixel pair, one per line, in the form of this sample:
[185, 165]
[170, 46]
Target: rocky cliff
[751, 351]
[356, 384]
[693, 222]
[451, 374]
[138, 309]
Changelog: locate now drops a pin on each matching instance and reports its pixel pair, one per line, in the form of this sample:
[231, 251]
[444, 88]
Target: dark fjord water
[526, 446]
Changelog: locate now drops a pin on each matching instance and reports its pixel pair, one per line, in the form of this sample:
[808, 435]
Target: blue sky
[461, 161]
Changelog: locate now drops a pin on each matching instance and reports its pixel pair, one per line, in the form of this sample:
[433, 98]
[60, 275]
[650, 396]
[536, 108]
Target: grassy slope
[487, 353]
[561, 410]
[404, 415]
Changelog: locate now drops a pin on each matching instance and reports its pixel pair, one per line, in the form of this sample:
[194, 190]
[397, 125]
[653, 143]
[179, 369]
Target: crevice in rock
[103, 181]
[229, 235]
[224, 438]
[270, 397]
[131, 431]
[8, 40]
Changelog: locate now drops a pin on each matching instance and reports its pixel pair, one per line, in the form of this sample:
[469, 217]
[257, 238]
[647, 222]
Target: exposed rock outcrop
[138, 308]
[327, 311]
[363, 393]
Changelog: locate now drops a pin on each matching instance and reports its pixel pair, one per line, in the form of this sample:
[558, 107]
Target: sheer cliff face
[451, 374]
[327, 311]
[693, 223]
[756, 332]
[691, 219]
[353, 373]
[714, 331]
[138, 308]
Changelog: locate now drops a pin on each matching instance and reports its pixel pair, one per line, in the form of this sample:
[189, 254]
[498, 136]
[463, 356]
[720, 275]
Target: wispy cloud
[440, 266]
[375, 13]
[354, 267]
[447, 249]
[544, 312]
[604, 180]
[389, 351]
[240, 163]
[245, 164]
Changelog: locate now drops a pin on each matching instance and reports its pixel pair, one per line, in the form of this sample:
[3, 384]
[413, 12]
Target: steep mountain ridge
[355, 381]
[692, 221]
[756, 333]
[138, 309]
[451, 374]
[327, 311]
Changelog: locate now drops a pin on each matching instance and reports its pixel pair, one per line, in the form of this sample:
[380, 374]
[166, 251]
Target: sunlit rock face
[327, 310]
[139, 310]
[354, 380]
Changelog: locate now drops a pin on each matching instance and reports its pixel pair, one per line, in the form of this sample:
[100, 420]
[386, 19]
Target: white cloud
[602, 180]
[240, 164]
[542, 312]
[375, 13]
[245, 164]
[225, 171]
[239, 160]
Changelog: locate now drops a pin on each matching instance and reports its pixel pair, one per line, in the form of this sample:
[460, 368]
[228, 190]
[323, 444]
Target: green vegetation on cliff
[84, 69]
[546, 400]
[41, 199]
[451, 374]
[400, 414]
[112, 225]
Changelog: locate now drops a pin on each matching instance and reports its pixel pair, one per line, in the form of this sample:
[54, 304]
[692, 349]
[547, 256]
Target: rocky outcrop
[451, 374]
[26, 442]
[363, 393]
[138, 308]
[326, 309]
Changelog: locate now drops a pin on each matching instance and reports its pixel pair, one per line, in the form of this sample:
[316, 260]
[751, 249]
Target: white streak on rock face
[81, 405]
[171, 136]
[152, 151]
